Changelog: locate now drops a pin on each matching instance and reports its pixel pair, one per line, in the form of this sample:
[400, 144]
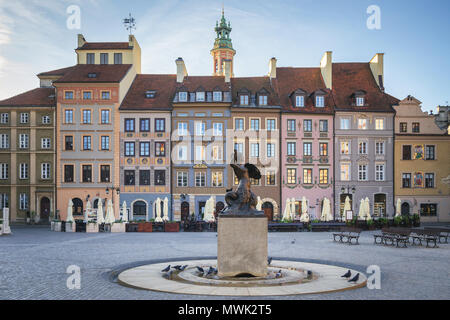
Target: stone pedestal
[70, 226]
[6, 230]
[57, 227]
[91, 227]
[118, 227]
[242, 245]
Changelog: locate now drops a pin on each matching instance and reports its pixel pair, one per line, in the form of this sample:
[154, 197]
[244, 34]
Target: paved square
[33, 263]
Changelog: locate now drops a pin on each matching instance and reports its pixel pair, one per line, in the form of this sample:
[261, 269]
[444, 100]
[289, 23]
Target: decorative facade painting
[418, 152]
[418, 180]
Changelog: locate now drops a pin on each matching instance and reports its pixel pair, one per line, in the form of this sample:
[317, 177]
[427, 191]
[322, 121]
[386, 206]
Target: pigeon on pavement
[354, 279]
[166, 269]
[347, 275]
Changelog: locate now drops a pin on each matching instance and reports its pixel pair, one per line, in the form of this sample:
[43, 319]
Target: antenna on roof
[130, 24]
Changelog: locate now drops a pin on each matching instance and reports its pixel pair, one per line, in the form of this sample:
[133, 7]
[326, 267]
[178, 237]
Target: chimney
[326, 68]
[377, 68]
[227, 69]
[81, 40]
[181, 70]
[272, 68]
[131, 40]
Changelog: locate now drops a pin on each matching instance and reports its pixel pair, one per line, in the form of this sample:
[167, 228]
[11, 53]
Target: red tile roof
[105, 46]
[307, 79]
[163, 84]
[39, 97]
[254, 85]
[105, 73]
[57, 72]
[351, 77]
[208, 83]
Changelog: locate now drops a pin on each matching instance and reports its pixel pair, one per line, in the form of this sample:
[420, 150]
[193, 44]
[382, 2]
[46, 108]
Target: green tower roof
[223, 30]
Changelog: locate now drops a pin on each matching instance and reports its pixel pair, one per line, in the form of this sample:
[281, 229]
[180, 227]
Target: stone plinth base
[242, 246]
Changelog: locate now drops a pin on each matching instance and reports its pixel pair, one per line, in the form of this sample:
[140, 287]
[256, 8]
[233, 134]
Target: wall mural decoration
[418, 180]
[418, 152]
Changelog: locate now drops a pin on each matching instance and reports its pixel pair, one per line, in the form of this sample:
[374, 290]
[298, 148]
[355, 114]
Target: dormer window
[320, 101]
[359, 101]
[150, 94]
[200, 96]
[262, 100]
[244, 99]
[182, 96]
[299, 101]
[92, 75]
[217, 96]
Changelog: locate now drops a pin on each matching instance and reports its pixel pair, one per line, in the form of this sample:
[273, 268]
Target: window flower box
[172, 227]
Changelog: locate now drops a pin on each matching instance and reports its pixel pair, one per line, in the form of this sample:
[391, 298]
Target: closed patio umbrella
[362, 209]
[367, 211]
[87, 211]
[326, 211]
[69, 217]
[166, 209]
[110, 218]
[208, 216]
[259, 204]
[124, 212]
[287, 210]
[398, 212]
[293, 208]
[346, 207]
[304, 217]
[100, 217]
[158, 210]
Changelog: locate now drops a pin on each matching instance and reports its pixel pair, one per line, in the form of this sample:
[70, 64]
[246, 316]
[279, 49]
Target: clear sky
[414, 36]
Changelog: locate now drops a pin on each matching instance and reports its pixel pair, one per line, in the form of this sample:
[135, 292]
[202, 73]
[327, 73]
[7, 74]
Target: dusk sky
[414, 36]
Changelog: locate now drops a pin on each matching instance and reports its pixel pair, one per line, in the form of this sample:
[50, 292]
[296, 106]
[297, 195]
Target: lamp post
[112, 189]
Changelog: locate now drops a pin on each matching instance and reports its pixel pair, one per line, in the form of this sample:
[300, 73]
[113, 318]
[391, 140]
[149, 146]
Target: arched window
[405, 208]
[139, 209]
[77, 207]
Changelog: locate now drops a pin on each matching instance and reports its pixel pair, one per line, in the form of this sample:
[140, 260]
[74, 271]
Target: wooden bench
[444, 233]
[393, 236]
[285, 226]
[347, 234]
[427, 235]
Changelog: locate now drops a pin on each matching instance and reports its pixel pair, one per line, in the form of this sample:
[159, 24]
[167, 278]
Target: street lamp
[117, 189]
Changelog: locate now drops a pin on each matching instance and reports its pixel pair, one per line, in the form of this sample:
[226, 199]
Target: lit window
[323, 149]
[379, 124]
[362, 124]
[345, 147]
[345, 172]
[307, 176]
[217, 179]
[323, 176]
[291, 176]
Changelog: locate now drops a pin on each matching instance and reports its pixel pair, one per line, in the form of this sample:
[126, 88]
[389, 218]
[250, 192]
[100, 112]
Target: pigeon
[210, 271]
[278, 274]
[269, 261]
[293, 241]
[166, 269]
[168, 275]
[309, 273]
[347, 275]
[215, 271]
[177, 268]
[354, 279]
[200, 269]
[183, 267]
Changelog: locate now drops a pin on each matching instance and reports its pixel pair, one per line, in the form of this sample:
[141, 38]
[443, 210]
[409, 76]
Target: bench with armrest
[426, 235]
[444, 233]
[348, 235]
[393, 236]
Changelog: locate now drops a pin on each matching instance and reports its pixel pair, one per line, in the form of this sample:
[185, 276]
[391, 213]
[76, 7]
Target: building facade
[422, 163]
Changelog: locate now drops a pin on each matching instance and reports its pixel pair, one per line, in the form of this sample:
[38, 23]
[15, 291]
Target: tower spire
[223, 48]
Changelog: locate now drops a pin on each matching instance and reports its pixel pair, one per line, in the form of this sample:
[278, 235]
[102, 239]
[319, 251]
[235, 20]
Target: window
[103, 58]
[307, 176]
[244, 99]
[106, 95]
[182, 128]
[104, 143]
[68, 95]
[45, 143]
[87, 95]
[86, 116]
[129, 177]
[360, 101]
[379, 172]
[150, 94]
[217, 96]
[4, 200]
[200, 128]
[428, 209]
[144, 149]
[323, 176]
[45, 170]
[160, 149]
[68, 173]
[217, 153]
[262, 100]
[4, 171]
[307, 149]
[4, 118]
[429, 153]
[144, 177]
[117, 58]
[105, 116]
[23, 141]
[182, 153]
[270, 150]
[379, 147]
[182, 96]
[403, 127]
[92, 75]
[254, 124]
[200, 96]
[129, 125]
[218, 129]
[129, 149]
[160, 125]
[87, 143]
[239, 124]
[406, 154]
[323, 125]
[291, 148]
[363, 147]
[68, 143]
[90, 58]
[217, 179]
[362, 172]
[379, 124]
[406, 180]
[182, 179]
[345, 147]
[239, 148]
[291, 176]
[254, 150]
[45, 119]
[4, 141]
[362, 124]
[68, 116]
[415, 127]
[199, 153]
[270, 178]
[320, 101]
[291, 125]
[23, 201]
[299, 101]
[87, 173]
[24, 117]
[105, 173]
[345, 124]
[307, 125]
[160, 177]
[345, 172]
[144, 125]
[271, 125]
[429, 180]
[323, 149]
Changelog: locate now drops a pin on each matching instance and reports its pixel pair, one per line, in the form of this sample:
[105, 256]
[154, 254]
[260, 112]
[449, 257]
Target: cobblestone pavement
[33, 263]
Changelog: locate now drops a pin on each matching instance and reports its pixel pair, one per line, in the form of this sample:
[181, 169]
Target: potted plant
[57, 225]
[70, 226]
[118, 226]
[145, 226]
[132, 226]
[171, 226]
[92, 227]
[370, 224]
[416, 220]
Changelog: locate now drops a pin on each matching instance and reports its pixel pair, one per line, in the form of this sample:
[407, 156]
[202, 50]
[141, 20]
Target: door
[268, 210]
[45, 209]
[405, 209]
[184, 211]
[201, 209]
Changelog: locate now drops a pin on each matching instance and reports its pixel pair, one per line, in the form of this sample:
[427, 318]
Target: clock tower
[223, 49]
